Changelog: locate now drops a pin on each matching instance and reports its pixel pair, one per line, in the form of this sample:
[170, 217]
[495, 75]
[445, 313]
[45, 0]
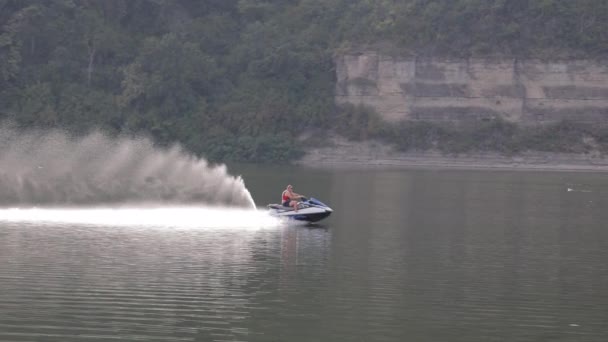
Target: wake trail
[161, 217]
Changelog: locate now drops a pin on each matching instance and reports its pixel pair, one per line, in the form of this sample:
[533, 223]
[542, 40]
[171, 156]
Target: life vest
[285, 197]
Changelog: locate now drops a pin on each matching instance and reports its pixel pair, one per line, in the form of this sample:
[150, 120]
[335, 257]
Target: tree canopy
[240, 79]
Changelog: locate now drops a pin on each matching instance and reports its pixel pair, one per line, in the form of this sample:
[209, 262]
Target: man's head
[289, 187]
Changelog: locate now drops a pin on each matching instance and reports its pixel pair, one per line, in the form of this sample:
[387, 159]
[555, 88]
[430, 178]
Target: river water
[408, 255]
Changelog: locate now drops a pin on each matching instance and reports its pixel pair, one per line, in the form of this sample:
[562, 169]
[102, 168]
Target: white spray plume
[43, 168]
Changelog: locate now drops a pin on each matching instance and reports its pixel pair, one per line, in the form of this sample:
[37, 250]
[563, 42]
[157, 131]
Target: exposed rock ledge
[529, 92]
[343, 153]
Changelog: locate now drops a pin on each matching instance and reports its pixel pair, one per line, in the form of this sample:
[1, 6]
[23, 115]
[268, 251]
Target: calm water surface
[409, 255]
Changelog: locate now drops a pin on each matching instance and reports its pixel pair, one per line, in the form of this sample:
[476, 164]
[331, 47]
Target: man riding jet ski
[297, 207]
[290, 198]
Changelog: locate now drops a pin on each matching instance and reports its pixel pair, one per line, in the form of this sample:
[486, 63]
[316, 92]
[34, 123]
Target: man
[290, 198]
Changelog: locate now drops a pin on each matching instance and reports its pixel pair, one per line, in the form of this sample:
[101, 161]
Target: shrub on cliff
[357, 122]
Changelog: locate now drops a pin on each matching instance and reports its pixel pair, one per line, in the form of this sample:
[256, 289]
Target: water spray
[52, 169]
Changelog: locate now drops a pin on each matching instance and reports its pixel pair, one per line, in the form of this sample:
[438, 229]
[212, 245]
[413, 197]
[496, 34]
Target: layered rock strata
[523, 91]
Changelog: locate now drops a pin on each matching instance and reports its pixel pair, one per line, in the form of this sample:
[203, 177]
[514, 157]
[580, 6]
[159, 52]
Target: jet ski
[309, 210]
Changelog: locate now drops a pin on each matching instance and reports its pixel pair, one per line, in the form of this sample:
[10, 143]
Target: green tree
[166, 83]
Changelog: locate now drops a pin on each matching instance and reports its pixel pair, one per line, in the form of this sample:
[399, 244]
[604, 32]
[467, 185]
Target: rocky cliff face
[528, 92]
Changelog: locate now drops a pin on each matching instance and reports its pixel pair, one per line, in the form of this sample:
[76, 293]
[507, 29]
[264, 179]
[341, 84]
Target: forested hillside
[241, 79]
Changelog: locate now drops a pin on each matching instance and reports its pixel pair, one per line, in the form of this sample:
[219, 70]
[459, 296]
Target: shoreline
[432, 165]
[344, 154]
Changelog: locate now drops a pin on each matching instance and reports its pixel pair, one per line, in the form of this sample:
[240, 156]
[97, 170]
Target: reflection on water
[407, 255]
[463, 256]
[68, 282]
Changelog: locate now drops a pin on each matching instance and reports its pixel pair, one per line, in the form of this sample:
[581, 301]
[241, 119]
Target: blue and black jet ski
[309, 210]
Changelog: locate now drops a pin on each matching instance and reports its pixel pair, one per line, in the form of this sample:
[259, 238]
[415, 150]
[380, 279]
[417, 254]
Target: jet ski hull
[312, 217]
[316, 217]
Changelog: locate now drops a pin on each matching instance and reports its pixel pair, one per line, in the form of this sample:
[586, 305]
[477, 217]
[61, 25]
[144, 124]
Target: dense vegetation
[495, 135]
[242, 79]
